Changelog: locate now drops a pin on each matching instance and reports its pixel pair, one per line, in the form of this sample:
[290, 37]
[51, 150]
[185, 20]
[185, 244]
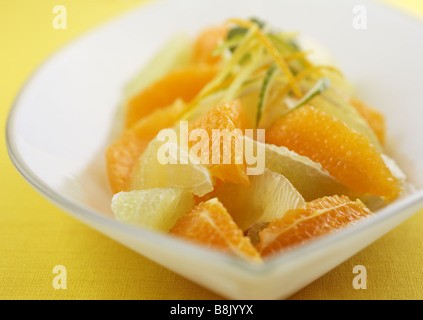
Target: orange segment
[373, 117]
[184, 83]
[210, 224]
[207, 42]
[230, 117]
[122, 155]
[346, 154]
[317, 218]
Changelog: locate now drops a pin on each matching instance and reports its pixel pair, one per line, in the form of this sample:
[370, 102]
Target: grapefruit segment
[122, 155]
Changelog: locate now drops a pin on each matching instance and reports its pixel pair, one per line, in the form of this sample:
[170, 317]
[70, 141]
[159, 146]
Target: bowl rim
[85, 213]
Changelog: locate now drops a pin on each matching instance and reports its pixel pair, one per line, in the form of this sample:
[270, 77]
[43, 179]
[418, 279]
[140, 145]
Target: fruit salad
[241, 140]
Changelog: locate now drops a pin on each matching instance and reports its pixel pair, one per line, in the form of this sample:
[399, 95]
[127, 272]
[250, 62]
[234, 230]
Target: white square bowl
[62, 120]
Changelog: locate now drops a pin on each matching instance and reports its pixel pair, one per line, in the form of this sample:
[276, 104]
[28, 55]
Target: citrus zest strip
[273, 52]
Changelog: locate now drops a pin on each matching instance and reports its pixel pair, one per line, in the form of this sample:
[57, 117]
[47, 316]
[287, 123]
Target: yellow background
[35, 236]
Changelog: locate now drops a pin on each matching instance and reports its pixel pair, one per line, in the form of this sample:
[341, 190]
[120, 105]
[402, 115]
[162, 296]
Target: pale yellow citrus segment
[307, 176]
[157, 209]
[394, 168]
[151, 173]
[268, 197]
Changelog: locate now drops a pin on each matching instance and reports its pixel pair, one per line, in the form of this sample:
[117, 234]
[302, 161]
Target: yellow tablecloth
[35, 236]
